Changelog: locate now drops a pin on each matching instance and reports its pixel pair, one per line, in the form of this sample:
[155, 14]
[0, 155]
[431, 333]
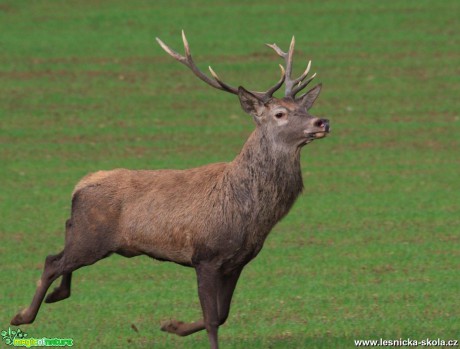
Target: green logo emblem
[18, 338]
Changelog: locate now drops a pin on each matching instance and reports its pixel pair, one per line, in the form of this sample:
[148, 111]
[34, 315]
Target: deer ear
[309, 98]
[250, 103]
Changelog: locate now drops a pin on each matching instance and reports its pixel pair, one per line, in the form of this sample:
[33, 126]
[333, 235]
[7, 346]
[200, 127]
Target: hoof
[20, 319]
[171, 326]
[57, 295]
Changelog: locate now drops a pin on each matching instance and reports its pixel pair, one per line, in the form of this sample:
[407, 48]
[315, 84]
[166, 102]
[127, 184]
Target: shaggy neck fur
[263, 181]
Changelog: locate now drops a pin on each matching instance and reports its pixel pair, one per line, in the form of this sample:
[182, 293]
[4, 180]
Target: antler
[292, 86]
[216, 82]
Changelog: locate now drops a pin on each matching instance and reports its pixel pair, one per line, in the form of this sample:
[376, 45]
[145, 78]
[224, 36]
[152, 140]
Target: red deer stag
[214, 218]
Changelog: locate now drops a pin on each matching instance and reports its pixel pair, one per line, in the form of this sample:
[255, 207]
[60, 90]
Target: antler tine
[289, 57]
[269, 94]
[186, 46]
[222, 84]
[277, 50]
[188, 61]
[301, 85]
[292, 86]
[171, 52]
[304, 74]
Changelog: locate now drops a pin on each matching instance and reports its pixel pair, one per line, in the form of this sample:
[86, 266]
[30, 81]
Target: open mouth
[320, 134]
[316, 135]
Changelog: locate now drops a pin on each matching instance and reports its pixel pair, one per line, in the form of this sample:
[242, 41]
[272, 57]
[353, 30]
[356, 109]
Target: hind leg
[64, 264]
[50, 273]
[90, 236]
[62, 291]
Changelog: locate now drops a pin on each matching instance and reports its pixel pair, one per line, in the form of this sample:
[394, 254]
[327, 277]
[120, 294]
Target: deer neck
[267, 176]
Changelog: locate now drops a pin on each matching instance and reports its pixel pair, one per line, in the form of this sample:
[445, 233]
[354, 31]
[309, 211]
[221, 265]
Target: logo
[17, 338]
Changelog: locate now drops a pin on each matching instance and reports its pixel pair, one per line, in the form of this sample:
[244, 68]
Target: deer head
[285, 120]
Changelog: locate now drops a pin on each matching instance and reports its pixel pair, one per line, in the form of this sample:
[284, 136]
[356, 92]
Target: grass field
[370, 250]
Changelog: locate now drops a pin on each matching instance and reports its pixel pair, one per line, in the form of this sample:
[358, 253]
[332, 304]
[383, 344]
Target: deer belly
[159, 244]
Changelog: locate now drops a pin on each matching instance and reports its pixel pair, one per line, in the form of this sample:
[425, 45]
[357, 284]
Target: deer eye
[279, 115]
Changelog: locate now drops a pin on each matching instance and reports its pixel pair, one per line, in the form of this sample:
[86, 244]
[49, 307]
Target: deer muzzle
[323, 126]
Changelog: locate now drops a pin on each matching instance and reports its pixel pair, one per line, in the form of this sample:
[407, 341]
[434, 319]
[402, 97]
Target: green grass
[370, 250]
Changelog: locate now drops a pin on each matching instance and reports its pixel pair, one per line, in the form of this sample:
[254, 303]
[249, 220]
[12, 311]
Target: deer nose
[324, 124]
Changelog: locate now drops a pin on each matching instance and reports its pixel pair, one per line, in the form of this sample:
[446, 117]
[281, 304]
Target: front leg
[209, 285]
[182, 328]
[225, 286]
